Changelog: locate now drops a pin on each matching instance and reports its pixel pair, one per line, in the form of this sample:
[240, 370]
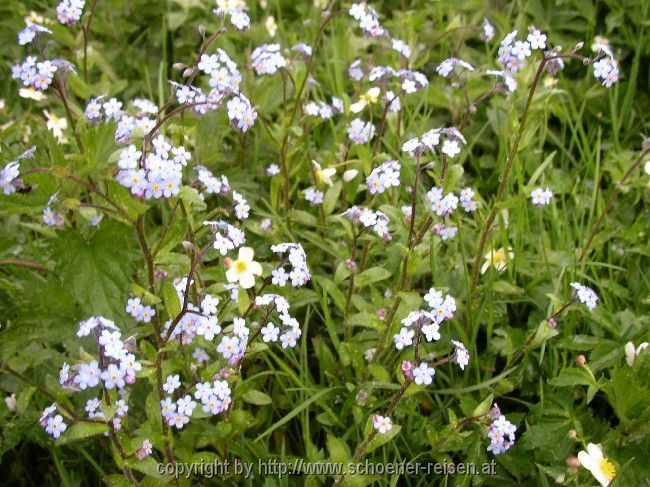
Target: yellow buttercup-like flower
[323, 175]
[369, 97]
[244, 269]
[497, 259]
[600, 467]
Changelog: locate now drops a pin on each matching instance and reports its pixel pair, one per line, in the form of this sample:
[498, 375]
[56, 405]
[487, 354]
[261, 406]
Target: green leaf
[191, 197]
[96, 270]
[256, 397]
[383, 438]
[99, 141]
[148, 466]
[133, 206]
[243, 301]
[338, 449]
[370, 276]
[79, 431]
[332, 197]
[573, 377]
[170, 297]
[484, 407]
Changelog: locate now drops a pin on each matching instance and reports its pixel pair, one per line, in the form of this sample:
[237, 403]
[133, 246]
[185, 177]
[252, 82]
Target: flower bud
[581, 360]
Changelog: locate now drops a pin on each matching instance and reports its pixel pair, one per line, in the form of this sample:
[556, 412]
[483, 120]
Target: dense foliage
[324, 233]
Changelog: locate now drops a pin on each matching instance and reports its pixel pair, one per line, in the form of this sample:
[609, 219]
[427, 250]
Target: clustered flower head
[159, 175]
[376, 220]
[585, 295]
[442, 205]
[116, 367]
[31, 32]
[35, 74]
[69, 11]
[442, 308]
[383, 177]
[50, 217]
[223, 72]
[513, 53]
[606, 68]
[211, 183]
[323, 110]
[98, 111]
[267, 59]
[200, 320]
[224, 82]
[138, 311]
[360, 132]
[467, 200]
[270, 332]
[236, 11]
[541, 196]
[9, 176]
[227, 237]
[501, 434]
[431, 139]
[445, 68]
[293, 266]
[368, 19]
[314, 196]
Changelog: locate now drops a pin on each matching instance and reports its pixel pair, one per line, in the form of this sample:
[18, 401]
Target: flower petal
[232, 275]
[255, 268]
[247, 280]
[246, 254]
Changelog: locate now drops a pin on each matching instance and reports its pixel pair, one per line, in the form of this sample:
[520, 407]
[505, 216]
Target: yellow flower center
[608, 468]
[241, 266]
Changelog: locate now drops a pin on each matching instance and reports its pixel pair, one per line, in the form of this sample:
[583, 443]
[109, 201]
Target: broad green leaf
[370, 276]
[79, 431]
[256, 397]
[96, 270]
[170, 297]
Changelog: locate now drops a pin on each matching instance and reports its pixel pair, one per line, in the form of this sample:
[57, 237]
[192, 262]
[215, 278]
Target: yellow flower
[323, 175]
[57, 125]
[244, 269]
[497, 259]
[600, 467]
[367, 98]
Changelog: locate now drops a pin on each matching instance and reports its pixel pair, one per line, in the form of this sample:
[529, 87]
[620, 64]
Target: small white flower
[173, 382]
[270, 333]
[382, 424]
[423, 374]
